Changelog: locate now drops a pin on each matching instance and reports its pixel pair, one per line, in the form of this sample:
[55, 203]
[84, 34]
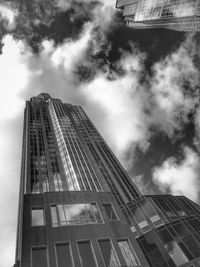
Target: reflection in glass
[192, 245]
[37, 217]
[176, 253]
[110, 212]
[64, 256]
[39, 257]
[86, 254]
[128, 253]
[75, 214]
[108, 253]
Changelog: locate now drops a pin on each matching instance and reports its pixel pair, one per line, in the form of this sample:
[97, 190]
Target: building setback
[79, 208]
[178, 15]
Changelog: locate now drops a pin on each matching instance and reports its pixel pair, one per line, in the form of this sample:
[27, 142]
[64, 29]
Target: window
[37, 216]
[128, 253]
[64, 255]
[86, 254]
[110, 212]
[72, 214]
[108, 253]
[173, 249]
[39, 257]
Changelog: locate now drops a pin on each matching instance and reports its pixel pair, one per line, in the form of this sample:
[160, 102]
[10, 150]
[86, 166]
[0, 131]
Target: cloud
[180, 178]
[8, 15]
[173, 101]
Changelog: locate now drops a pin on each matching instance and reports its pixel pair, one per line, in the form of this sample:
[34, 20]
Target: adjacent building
[178, 15]
[79, 208]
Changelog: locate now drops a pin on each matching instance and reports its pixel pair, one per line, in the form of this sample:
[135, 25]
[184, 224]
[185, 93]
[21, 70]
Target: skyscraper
[178, 15]
[79, 208]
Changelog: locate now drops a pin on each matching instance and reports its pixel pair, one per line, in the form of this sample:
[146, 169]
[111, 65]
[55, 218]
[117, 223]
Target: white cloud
[180, 178]
[9, 14]
[122, 105]
[172, 102]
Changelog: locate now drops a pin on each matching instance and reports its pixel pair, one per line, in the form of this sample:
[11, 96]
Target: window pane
[61, 213]
[108, 253]
[96, 213]
[110, 212]
[128, 253]
[176, 254]
[39, 257]
[86, 254]
[64, 257]
[54, 216]
[37, 216]
[192, 245]
[77, 214]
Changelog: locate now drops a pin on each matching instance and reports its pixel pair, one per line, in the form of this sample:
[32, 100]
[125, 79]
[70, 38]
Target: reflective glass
[156, 259]
[148, 243]
[108, 253]
[75, 214]
[64, 256]
[86, 254]
[176, 253]
[110, 212]
[128, 253]
[54, 215]
[180, 229]
[37, 217]
[192, 245]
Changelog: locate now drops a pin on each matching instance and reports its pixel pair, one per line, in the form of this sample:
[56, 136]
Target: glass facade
[77, 192]
[67, 153]
[180, 15]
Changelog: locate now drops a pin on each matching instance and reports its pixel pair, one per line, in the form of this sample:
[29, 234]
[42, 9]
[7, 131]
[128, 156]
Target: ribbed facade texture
[178, 15]
[79, 208]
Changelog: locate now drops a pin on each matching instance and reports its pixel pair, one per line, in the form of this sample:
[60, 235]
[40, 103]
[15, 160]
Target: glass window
[37, 216]
[64, 255]
[86, 254]
[128, 253]
[39, 257]
[110, 212]
[180, 229]
[156, 259]
[108, 253]
[75, 214]
[54, 215]
[174, 250]
[176, 253]
[148, 242]
[192, 245]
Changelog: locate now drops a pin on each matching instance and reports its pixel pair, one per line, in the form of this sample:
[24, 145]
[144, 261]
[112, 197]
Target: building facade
[178, 15]
[79, 208]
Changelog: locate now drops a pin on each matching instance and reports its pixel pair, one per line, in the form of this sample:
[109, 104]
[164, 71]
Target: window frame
[31, 219]
[59, 222]
[132, 250]
[116, 215]
[104, 239]
[38, 248]
[81, 241]
[70, 251]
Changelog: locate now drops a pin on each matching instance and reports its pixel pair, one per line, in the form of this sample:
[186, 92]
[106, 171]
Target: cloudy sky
[140, 88]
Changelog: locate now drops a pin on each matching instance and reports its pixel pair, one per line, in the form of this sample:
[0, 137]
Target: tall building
[178, 15]
[79, 208]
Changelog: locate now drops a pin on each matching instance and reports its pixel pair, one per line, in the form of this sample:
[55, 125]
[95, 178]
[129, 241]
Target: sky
[139, 87]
